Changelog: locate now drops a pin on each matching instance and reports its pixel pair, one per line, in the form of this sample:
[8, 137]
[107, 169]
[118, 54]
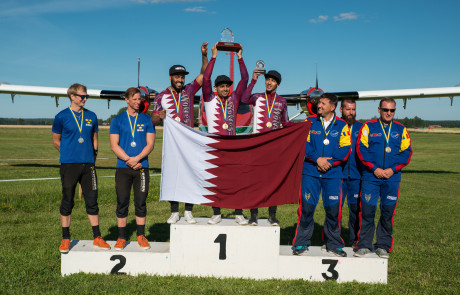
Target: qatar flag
[245, 171]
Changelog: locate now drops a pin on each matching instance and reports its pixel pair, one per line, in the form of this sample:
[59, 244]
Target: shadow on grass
[288, 233]
[154, 170]
[158, 232]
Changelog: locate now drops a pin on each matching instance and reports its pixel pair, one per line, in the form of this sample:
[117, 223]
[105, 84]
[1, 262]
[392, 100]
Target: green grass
[426, 231]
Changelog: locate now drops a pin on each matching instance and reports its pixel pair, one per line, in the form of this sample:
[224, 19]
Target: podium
[225, 250]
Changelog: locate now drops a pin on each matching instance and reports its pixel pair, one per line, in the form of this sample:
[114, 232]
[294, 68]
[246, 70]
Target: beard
[350, 119]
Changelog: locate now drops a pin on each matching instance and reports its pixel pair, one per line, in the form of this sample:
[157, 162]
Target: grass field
[427, 235]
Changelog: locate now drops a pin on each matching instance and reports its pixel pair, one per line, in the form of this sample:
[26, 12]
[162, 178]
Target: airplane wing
[56, 91]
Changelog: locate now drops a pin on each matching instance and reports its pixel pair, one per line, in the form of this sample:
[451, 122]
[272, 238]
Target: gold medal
[225, 126]
[326, 141]
[269, 124]
[388, 149]
[177, 119]
[81, 140]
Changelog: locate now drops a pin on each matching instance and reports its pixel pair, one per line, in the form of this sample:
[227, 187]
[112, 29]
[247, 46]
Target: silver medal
[326, 141]
[388, 149]
[133, 144]
[81, 140]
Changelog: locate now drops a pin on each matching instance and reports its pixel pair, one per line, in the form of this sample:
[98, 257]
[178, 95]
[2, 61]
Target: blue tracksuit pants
[331, 191]
[388, 191]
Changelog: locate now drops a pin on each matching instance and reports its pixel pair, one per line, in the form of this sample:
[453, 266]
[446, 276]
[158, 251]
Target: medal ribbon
[176, 102]
[224, 110]
[133, 129]
[387, 137]
[332, 123]
[269, 109]
[80, 126]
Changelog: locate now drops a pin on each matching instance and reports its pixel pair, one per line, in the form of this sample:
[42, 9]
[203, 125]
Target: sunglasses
[82, 96]
[388, 110]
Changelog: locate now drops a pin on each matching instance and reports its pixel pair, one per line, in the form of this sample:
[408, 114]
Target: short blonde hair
[73, 89]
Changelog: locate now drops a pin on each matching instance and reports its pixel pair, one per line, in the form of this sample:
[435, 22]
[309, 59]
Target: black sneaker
[253, 219]
[337, 252]
[273, 221]
[298, 250]
[354, 246]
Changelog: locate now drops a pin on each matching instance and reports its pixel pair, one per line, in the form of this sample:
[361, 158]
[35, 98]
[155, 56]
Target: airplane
[309, 98]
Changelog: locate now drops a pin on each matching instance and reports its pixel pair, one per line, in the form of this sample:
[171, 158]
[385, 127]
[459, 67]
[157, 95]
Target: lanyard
[269, 109]
[224, 110]
[387, 137]
[133, 128]
[80, 126]
[322, 123]
[176, 102]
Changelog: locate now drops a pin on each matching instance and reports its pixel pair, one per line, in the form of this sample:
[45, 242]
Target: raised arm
[204, 62]
[207, 85]
[244, 75]
[247, 97]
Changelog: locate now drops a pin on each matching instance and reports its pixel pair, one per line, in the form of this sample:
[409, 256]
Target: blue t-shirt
[72, 151]
[121, 125]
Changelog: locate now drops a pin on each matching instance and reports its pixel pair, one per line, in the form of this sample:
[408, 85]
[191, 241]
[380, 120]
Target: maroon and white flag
[245, 171]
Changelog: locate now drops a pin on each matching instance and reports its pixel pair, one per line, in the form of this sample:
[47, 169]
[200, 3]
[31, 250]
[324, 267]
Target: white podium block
[132, 260]
[316, 265]
[225, 249]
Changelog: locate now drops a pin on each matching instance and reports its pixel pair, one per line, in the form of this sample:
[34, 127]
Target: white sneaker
[173, 218]
[215, 219]
[240, 220]
[323, 248]
[189, 217]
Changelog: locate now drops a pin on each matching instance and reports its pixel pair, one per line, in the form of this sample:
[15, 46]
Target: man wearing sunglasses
[75, 137]
[384, 147]
[176, 101]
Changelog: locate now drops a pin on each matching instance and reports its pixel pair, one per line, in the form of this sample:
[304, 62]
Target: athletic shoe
[354, 246]
[323, 248]
[240, 220]
[143, 242]
[173, 218]
[215, 219]
[382, 253]
[65, 246]
[298, 250]
[337, 252]
[273, 221]
[189, 217]
[362, 252]
[120, 244]
[100, 243]
[253, 220]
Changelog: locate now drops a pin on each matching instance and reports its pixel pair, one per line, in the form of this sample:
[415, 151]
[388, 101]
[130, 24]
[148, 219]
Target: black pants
[175, 206]
[216, 211]
[139, 180]
[85, 174]
[271, 210]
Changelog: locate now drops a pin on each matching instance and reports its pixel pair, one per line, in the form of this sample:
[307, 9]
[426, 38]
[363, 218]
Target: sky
[357, 45]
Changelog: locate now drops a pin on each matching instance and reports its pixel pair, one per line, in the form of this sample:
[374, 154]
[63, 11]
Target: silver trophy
[260, 66]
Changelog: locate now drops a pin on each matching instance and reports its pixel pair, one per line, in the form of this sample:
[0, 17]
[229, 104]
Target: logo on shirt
[355, 196]
[334, 133]
[316, 132]
[88, 122]
[393, 198]
[333, 197]
[367, 197]
[307, 196]
[394, 135]
[140, 127]
[376, 135]
[356, 133]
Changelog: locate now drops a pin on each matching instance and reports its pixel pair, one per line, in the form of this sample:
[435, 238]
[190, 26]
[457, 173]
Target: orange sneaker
[65, 246]
[143, 242]
[120, 244]
[101, 244]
